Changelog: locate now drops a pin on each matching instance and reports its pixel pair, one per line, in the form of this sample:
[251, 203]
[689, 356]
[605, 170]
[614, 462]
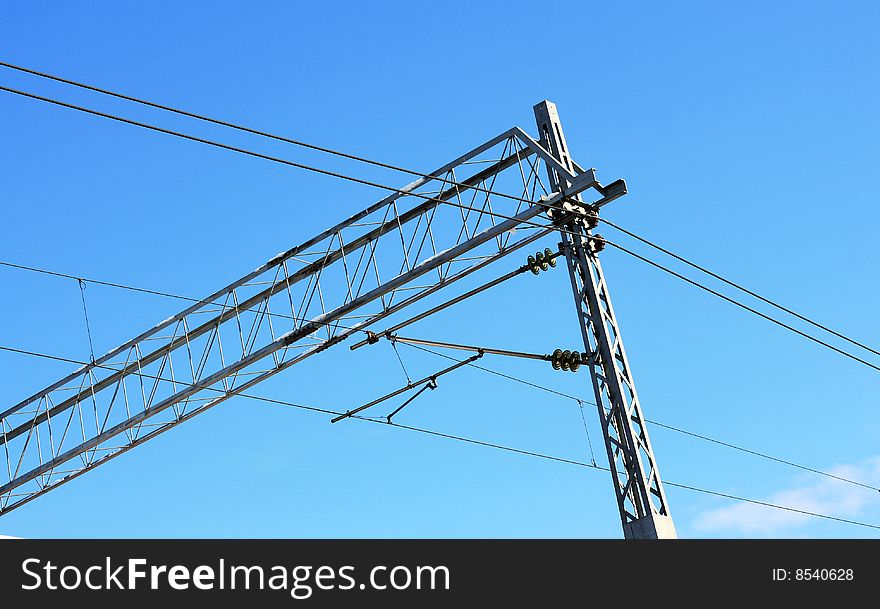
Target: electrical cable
[740, 287]
[377, 185]
[479, 367]
[365, 182]
[660, 424]
[482, 443]
[744, 306]
[259, 155]
[237, 127]
[384, 165]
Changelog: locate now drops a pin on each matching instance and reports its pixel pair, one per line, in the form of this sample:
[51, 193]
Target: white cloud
[819, 495]
[8, 537]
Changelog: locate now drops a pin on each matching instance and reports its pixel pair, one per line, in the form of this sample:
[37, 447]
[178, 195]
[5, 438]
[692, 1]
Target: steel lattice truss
[641, 500]
[387, 257]
[639, 491]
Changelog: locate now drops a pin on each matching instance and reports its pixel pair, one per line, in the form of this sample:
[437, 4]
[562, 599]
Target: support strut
[644, 511]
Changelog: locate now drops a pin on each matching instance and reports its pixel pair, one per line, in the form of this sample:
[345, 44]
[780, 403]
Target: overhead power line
[110, 284]
[397, 190]
[223, 123]
[362, 159]
[485, 369]
[740, 287]
[379, 164]
[216, 121]
[252, 153]
[131, 288]
[376, 185]
[483, 443]
[429, 198]
[659, 423]
[769, 318]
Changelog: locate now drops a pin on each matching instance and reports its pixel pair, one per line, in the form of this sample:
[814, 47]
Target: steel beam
[299, 303]
[641, 500]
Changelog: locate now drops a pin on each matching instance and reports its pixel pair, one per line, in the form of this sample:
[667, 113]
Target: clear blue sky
[749, 136]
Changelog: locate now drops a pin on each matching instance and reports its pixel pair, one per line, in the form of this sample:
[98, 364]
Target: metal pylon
[644, 511]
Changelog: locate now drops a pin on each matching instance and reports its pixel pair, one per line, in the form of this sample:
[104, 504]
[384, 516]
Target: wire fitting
[596, 243]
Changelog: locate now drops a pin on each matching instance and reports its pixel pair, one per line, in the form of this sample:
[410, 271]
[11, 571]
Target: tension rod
[564, 360]
[540, 262]
[432, 379]
[436, 343]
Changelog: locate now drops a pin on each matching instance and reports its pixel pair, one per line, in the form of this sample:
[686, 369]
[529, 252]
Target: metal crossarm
[437, 230]
[644, 512]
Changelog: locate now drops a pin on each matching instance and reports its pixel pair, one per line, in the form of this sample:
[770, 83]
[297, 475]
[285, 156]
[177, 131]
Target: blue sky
[748, 136]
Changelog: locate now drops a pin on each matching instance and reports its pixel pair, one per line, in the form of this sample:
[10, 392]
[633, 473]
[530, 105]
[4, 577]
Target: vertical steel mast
[644, 511]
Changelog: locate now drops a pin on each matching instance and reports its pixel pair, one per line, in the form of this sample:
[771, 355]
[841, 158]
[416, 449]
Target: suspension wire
[97, 281]
[762, 455]
[82, 295]
[740, 287]
[438, 354]
[362, 159]
[121, 286]
[400, 359]
[419, 195]
[660, 424]
[237, 127]
[259, 155]
[580, 404]
[426, 197]
[744, 306]
[394, 338]
[365, 182]
[468, 440]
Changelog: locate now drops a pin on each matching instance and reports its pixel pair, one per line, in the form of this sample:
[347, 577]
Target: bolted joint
[372, 337]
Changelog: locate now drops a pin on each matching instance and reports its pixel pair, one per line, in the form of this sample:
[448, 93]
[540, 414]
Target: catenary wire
[274, 159]
[237, 127]
[495, 446]
[373, 184]
[483, 368]
[362, 159]
[122, 286]
[259, 155]
[376, 185]
[769, 318]
[398, 168]
[660, 424]
[740, 287]
[429, 198]
[475, 365]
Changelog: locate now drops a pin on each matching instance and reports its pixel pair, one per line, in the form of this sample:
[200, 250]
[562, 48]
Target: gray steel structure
[644, 511]
[420, 239]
